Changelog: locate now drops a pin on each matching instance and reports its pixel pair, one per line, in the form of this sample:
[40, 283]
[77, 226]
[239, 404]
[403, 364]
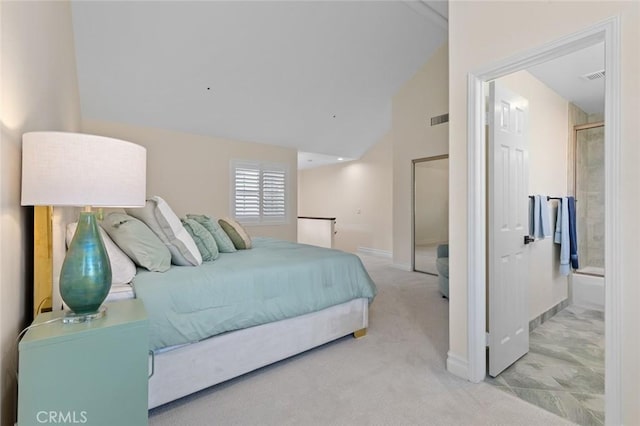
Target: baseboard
[375, 252]
[547, 315]
[457, 366]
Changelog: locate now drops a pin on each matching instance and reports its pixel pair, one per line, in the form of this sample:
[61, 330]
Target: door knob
[528, 239]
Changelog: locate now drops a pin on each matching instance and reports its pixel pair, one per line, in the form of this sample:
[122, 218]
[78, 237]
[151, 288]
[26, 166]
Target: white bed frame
[187, 369]
[193, 367]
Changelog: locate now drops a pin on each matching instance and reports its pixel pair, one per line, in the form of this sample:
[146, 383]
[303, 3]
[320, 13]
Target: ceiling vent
[594, 75]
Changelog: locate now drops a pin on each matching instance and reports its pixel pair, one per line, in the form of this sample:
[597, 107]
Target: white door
[507, 227]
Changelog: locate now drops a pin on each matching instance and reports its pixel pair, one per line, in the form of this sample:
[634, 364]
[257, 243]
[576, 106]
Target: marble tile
[553, 351]
[564, 369]
[561, 403]
[529, 374]
[534, 323]
[578, 379]
[599, 416]
[547, 315]
[595, 403]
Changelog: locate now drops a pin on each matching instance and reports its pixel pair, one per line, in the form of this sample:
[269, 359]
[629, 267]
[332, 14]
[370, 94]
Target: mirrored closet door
[430, 211]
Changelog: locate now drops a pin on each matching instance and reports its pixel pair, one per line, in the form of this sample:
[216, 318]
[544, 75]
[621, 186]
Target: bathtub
[587, 288]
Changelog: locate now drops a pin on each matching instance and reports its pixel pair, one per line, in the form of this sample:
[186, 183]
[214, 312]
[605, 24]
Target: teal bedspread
[274, 280]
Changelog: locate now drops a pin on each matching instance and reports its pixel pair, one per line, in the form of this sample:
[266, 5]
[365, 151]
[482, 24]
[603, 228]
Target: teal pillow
[138, 241]
[225, 245]
[204, 239]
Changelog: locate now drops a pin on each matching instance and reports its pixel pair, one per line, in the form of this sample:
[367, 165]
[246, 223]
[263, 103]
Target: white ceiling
[317, 76]
[565, 76]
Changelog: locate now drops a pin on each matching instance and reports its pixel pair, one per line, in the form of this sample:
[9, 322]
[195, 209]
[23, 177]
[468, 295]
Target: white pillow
[158, 216]
[122, 268]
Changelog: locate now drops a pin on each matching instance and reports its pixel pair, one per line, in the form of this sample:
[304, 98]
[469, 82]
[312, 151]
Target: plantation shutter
[259, 192]
[273, 194]
[247, 192]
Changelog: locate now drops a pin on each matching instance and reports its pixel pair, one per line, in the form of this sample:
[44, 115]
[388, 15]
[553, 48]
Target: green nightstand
[93, 373]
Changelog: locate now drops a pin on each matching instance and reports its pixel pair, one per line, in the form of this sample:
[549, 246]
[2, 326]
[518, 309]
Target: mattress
[274, 280]
[120, 292]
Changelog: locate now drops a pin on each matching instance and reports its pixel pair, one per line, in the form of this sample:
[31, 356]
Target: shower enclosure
[589, 185]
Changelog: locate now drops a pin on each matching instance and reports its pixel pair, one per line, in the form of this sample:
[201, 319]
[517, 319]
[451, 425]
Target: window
[259, 192]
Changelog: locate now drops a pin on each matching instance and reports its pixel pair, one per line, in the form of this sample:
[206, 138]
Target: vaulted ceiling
[317, 76]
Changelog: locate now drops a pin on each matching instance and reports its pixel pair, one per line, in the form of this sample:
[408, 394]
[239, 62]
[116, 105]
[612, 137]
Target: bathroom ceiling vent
[594, 75]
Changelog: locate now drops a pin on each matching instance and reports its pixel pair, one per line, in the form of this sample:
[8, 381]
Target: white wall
[39, 92]
[191, 172]
[357, 194]
[422, 97]
[481, 33]
[386, 188]
[548, 145]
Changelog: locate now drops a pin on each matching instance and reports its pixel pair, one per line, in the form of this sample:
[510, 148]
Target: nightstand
[93, 373]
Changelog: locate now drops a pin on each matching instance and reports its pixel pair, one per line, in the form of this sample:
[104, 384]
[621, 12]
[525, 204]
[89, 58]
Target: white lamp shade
[73, 169]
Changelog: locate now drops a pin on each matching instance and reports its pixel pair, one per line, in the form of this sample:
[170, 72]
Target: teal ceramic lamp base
[85, 279]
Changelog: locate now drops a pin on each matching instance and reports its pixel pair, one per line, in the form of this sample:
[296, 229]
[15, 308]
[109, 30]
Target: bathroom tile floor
[564, 369]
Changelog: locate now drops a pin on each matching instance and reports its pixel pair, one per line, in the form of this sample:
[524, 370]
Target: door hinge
[486, 341]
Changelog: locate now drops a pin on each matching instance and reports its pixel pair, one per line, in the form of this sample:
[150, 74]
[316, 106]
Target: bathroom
[563, 370]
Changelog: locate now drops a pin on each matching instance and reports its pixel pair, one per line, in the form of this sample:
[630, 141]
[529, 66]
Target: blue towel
[562, 235]
[545, 227]
[539, 225]
[573, 234]
[557, 237]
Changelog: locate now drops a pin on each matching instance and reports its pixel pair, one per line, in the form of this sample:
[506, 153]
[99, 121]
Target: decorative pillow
[225, 245]
[163, 221]
[204, 240]
[122, 268]
[235, 231]
[137, 241]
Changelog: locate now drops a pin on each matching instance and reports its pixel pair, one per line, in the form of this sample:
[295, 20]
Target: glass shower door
[589, 184]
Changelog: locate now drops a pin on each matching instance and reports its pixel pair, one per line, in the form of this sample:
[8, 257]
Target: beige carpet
[394, 376]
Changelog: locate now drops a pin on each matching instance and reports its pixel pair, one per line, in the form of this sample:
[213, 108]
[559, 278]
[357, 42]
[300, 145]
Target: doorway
[430, 211]
[560, 364]
[606, 31]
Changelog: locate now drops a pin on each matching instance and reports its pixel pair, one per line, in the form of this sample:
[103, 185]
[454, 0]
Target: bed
[308, 296]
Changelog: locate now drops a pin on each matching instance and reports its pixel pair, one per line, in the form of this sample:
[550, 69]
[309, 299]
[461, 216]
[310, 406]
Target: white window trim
[261, 165]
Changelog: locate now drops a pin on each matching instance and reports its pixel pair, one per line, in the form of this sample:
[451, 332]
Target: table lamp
[73, 169]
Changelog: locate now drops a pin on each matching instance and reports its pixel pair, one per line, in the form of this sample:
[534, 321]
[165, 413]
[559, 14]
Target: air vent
[594, 75]
[444, 118]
